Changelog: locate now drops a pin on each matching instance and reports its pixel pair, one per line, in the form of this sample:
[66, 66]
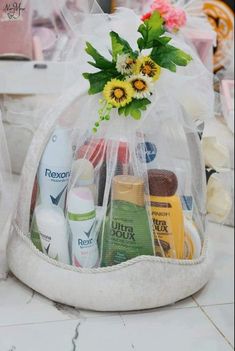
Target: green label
[127, 234]
[81, 217]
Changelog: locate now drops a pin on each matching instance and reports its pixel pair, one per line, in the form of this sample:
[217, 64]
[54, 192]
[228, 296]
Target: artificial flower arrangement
[127, 81]
[174, 18]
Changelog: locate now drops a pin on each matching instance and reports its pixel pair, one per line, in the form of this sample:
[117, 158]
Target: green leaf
[136, 114]
[151, 30]
[98, 80]
[100, 61]
[169, 57]
[134, 108]
[120, 46]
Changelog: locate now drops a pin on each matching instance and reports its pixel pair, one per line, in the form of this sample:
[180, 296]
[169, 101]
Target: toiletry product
[55, 168]
[167, 213]
[122, 168]
[192, 242]
[127, 232]
[82, 221]
[15, 30]
[93, 151]
[52, 228]
[83, 175]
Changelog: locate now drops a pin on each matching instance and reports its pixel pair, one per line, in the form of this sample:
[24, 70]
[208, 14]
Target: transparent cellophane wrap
[128, 171]
[5, 199]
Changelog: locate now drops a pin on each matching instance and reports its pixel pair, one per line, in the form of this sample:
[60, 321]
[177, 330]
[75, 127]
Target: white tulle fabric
[5, 199]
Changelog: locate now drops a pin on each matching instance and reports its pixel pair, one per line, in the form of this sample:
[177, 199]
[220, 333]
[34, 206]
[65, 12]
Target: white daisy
[125, 64]
[142, 85]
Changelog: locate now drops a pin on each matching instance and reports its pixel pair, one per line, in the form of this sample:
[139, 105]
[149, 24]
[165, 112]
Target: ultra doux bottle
[127, 231]
[167, 214]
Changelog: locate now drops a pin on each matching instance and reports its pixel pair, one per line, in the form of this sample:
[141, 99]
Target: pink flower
[162, 6]
[175, 19]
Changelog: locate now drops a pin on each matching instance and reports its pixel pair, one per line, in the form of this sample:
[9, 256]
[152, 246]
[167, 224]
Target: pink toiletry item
[16, 42]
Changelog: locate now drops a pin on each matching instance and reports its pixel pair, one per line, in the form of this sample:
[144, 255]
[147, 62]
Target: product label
[168, 227]
[53, 185]
[146, 152]
[12, 11]
[127, 234]
[84, 247]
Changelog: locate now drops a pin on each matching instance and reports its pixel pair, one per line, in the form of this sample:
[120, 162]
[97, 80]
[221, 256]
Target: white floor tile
[220, 289]
[223, 317]
[183, 329]
[82, 335]
[19, 305]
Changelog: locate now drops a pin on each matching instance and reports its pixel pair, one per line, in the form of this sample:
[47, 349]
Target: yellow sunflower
[118, 93]
[146, 66]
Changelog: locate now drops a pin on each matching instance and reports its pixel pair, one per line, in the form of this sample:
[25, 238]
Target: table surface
[204, 322]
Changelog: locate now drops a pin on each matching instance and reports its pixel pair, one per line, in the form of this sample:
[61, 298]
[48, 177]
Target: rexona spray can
[82, 221]
[52, 227]
[55, 169]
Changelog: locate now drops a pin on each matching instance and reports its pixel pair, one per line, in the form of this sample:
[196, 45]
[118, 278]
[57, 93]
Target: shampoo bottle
[55, 169]
[52, 228]
[82, 221]
[167, 214]
[127, 231]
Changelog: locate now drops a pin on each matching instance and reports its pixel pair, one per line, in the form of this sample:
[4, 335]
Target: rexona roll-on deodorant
[82, 221]
[52, 228]
[55, 168]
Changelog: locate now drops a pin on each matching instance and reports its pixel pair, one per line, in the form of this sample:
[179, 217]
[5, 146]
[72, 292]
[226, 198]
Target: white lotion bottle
[55, 168]
[52, 228]
[82, 221]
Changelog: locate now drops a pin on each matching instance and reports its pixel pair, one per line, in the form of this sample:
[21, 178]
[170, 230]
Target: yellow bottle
[167, 214]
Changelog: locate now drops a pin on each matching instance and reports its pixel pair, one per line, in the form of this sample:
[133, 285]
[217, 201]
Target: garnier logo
[121, 231]
[161, 226]
[56, 175]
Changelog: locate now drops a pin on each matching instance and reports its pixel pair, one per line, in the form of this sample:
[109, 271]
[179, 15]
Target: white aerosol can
[82, 221]
[52, 227]
[55, 168]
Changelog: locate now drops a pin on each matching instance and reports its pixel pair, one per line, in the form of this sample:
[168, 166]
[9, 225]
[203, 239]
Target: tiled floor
[204, 322]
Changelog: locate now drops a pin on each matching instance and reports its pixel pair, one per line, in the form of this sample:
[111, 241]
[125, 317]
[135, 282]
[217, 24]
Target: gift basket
[112, 209]
[5, 199]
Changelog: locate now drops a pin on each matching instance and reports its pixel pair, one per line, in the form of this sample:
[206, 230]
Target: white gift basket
[112, 214]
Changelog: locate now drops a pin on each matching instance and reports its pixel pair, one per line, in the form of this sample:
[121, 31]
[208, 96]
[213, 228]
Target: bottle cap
[83, 172]
[80, 201]
[128, 189]
[59, 150]
[162, 183]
